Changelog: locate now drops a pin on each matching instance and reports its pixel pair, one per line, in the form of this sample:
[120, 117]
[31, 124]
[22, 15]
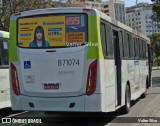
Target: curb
[155, 68]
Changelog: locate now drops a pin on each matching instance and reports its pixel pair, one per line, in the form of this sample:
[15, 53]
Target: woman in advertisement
[39, 38]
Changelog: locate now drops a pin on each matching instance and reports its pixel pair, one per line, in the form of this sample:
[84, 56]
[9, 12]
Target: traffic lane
[156, 78]
[156, 81]
[140, 108]
[59, 119]
[143, 107]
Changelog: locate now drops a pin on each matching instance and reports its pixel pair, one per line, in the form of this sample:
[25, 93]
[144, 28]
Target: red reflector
[92, 78]
[15, 81]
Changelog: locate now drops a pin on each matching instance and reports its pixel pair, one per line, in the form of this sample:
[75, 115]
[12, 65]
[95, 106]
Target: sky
[129, 3]
[132, 2]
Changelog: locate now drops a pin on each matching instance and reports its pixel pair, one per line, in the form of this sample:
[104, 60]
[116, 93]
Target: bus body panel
[2, 90]
[62, 68]
[4, 80]
[110, 84]
[81, 103]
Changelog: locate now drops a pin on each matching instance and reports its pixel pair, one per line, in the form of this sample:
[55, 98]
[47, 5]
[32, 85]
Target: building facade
[139, 18]
[86, 3]
[115, 9]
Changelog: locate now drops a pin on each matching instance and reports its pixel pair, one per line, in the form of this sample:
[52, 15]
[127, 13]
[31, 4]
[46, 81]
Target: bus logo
[6, 120]
[27, 64]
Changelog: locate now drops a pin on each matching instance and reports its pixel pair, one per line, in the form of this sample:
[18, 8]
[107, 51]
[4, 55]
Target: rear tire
[144, 94]
[127, 105]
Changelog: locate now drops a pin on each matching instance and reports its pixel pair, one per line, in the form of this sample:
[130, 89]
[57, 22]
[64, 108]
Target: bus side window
[109, 41]
[106, 40]
[131, 46]
[103, 39]
[138, 48]
[126, 47]
[141, 49]
[121, 44]
[134, 41]
[144, 49]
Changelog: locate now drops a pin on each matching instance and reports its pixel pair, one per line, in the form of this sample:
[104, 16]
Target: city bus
[76, 60]
[4, 71]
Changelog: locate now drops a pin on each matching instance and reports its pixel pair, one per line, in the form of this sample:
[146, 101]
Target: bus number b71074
[68, 62]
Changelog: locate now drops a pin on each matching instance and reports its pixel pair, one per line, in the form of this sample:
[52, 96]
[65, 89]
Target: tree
[155, 43]
[8, 8]
[156, 10]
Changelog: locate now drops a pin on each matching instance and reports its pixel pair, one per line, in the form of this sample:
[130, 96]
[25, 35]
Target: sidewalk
[156, 68]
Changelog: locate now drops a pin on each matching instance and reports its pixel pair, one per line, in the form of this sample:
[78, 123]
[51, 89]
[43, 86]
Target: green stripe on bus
[94, 39]
[13, 56]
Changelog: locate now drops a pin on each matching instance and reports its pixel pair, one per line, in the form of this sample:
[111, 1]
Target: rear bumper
[66, 104]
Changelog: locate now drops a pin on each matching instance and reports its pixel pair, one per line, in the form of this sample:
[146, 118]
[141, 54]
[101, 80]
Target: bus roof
[4, 34]
[80, 10]
[121, 25]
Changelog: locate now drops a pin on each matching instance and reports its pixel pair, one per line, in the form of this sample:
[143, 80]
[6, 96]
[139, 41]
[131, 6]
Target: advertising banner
[51, 30]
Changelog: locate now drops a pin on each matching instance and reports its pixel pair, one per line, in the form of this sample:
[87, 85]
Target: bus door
[149, 64]
[118, 65]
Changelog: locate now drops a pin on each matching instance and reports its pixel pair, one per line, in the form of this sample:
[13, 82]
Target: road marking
[16, 114]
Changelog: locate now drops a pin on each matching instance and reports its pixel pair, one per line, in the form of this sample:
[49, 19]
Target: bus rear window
[52, 31]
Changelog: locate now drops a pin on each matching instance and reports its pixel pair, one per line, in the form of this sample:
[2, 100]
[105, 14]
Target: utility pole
[136, 2]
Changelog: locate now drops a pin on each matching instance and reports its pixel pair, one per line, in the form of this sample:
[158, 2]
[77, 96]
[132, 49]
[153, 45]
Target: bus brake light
[92, 78]
[15, 81]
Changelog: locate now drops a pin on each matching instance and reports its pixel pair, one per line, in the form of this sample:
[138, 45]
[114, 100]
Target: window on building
[106, 11]
[105, 6]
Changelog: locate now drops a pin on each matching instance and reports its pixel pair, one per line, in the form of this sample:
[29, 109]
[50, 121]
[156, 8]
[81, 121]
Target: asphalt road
[147, 107]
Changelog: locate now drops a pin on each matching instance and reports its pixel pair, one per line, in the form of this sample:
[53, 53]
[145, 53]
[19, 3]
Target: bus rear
[54, 60]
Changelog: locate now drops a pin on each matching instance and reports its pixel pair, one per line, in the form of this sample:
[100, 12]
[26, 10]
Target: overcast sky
[129, 3]
[132, 2]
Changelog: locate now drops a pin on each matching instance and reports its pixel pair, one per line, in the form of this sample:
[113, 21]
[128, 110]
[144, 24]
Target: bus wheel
[127, 105]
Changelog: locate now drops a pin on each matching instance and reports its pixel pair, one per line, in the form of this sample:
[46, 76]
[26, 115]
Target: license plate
[51, 86]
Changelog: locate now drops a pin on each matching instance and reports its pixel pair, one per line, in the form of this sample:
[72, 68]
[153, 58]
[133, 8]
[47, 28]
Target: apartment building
[139, 18]
[86, 3]
[115, 9]
[1, 2]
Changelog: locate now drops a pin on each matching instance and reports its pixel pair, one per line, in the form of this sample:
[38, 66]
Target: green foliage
[9, 7]
[156, 10]
[155, 43]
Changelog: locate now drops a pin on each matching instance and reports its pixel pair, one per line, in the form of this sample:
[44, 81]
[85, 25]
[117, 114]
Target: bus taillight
[92, 78]
[15, 81]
